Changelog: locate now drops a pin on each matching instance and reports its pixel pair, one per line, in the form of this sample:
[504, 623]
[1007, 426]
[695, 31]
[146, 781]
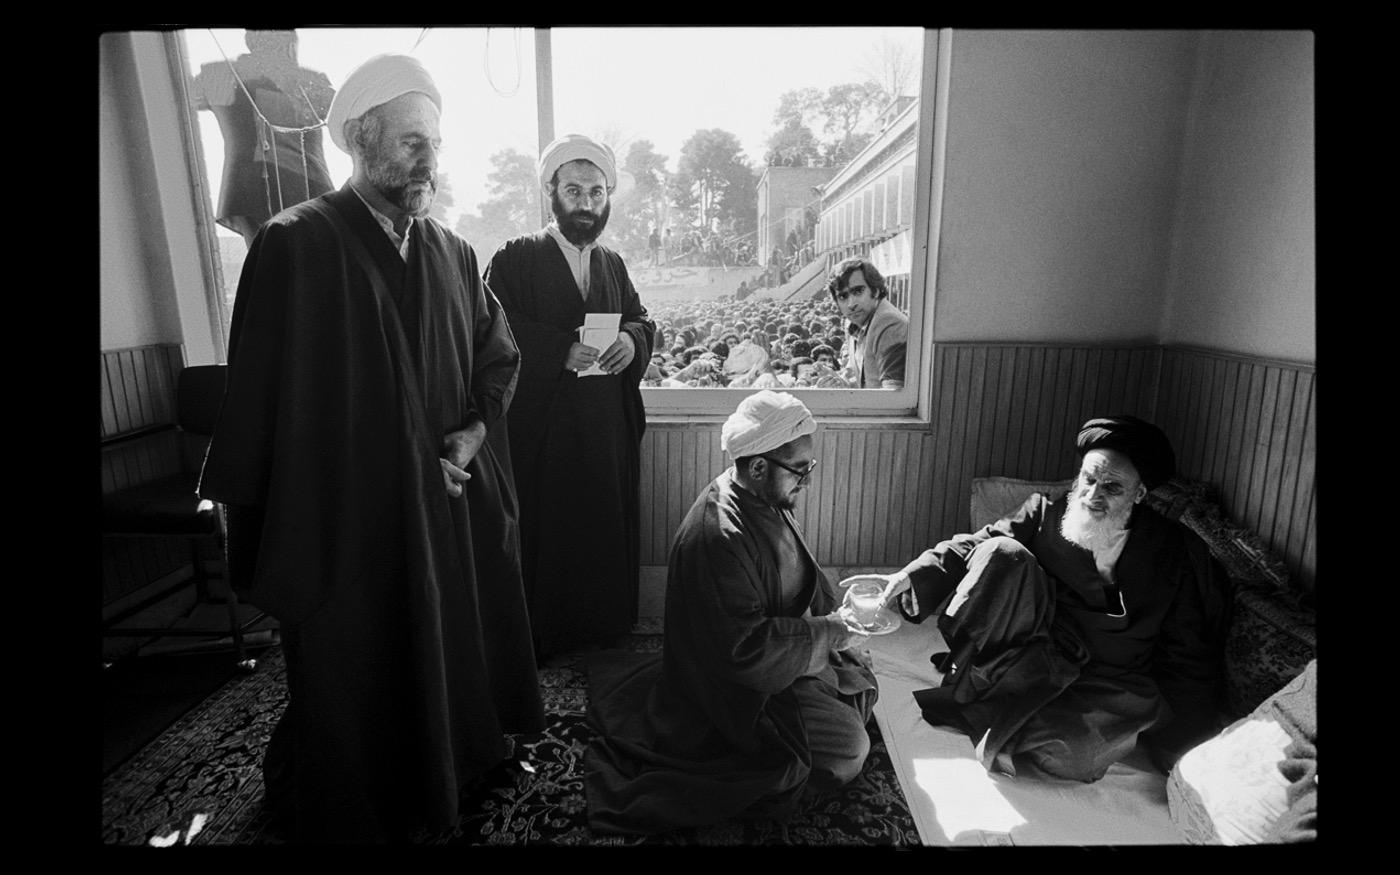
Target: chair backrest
[199, 393]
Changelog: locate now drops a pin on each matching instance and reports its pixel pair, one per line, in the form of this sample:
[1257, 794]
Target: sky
[661, 84]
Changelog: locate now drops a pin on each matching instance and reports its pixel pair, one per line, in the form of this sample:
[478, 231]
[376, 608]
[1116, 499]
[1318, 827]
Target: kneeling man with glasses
[762, 692]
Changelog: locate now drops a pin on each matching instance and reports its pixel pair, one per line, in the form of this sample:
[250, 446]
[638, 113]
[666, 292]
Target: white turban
[378, 80]
[765, 421]
[575, 147]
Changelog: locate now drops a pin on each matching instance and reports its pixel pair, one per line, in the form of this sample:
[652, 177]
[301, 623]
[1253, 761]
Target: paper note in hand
[598, 330]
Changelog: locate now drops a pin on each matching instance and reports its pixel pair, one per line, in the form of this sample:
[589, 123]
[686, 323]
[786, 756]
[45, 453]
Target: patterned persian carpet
[199, 782]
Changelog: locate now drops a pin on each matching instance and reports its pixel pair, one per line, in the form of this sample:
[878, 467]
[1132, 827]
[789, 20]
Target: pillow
[1230, 790]
[995, 497]
[1272, 634]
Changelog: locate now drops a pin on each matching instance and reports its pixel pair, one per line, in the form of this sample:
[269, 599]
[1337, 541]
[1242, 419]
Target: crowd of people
[748, 344]
[851, 338]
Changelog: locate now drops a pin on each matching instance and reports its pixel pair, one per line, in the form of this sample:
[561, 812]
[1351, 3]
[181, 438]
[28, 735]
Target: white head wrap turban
[575, 147]
[378, 80]
[765, 421]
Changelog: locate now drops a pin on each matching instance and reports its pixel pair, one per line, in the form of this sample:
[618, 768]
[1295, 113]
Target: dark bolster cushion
[1273, 631]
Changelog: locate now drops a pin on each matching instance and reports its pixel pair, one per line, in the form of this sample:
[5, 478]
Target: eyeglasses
[580, 196]
[801, 475]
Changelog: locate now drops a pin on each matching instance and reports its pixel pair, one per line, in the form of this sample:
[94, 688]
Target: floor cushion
[1233, 789]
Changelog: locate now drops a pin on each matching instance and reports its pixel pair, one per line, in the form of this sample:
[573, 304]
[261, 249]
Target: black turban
[1143, 443]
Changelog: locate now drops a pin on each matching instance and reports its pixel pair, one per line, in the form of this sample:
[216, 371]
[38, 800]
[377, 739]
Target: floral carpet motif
[199, 782]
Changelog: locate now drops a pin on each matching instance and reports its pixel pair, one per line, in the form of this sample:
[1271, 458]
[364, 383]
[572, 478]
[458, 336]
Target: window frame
[909, 404]
[211, 265]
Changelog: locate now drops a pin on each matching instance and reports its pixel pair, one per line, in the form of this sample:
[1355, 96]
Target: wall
[1243, 271]
[782, 188]
[154, 277]
[137, 296]
[1062, 161]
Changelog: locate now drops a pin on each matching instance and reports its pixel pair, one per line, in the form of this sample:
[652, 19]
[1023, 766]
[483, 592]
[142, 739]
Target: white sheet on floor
[955, 801]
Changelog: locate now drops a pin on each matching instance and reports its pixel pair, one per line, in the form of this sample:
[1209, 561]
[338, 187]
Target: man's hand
[580, 358]
[897, 586]
[458, 450]
[453, 477]
[844, 634]
[617, 357]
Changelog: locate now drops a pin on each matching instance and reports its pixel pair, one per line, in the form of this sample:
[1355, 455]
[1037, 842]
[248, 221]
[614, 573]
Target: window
[767, 155]
[486, 187]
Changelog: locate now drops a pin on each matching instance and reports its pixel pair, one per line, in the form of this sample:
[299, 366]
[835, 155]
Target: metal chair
[169, 507]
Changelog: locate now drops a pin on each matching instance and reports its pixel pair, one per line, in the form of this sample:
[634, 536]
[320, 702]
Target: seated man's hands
[844, 633]
[898, 587]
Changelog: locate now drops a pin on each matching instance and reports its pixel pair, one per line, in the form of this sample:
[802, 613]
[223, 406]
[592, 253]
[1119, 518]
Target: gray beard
[416, 204]
[392, 184]
[1080, 528]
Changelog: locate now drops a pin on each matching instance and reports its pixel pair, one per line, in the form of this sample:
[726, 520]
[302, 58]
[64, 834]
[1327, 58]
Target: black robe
[714, 728]
[575, 443]
[402, 609]
[1144, 654]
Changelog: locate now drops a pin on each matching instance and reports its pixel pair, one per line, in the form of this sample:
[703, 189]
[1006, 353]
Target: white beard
[1079, 527]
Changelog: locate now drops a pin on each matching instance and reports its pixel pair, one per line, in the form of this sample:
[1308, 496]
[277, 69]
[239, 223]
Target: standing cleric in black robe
[369, 496]
[575, 438]
[1078, 625]
[762, 692]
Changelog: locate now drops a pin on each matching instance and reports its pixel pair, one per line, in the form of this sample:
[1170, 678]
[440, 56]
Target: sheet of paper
[598, 330]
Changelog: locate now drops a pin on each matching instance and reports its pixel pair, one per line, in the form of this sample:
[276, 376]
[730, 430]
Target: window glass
[486, 181]
[757, 155]
[759, 158]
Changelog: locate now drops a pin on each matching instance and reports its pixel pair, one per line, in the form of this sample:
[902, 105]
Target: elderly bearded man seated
[760, 693]
[1076, 625]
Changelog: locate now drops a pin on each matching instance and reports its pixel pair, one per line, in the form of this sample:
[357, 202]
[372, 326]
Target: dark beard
[579, 234]
[781, 502]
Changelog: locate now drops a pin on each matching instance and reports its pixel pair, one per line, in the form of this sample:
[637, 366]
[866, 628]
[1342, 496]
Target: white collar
[400, 242]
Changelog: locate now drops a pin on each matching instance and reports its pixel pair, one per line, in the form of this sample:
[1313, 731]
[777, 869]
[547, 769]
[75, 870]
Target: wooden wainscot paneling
[137, 400]
[865, 505]
[1248, 426]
